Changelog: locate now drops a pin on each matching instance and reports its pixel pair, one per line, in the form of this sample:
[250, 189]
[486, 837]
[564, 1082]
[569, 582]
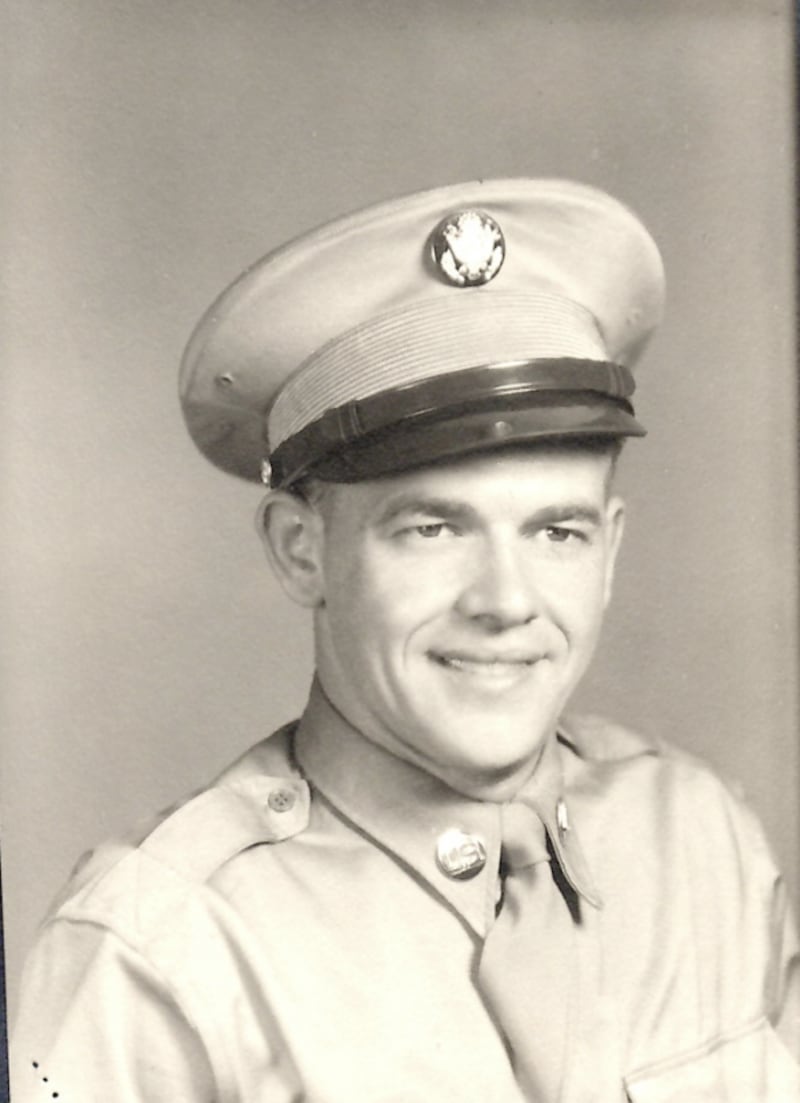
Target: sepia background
[153, 150]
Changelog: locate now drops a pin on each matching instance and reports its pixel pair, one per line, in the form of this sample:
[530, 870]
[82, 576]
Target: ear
[615, 526]
[293, 535]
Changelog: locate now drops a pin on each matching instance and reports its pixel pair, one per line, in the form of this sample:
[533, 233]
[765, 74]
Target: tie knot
[524, 839]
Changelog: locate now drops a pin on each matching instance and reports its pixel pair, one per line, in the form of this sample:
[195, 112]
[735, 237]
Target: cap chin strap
[498, 386]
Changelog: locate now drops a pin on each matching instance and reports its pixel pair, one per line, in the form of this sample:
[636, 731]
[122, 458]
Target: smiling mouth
[489, 666]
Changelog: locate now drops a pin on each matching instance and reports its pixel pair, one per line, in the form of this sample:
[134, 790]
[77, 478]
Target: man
[432, 886]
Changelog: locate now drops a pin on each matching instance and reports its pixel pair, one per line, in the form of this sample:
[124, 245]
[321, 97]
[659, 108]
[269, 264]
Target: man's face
[462, 605]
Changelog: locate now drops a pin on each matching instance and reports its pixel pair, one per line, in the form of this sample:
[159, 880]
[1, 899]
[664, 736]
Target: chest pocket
[749, 1067]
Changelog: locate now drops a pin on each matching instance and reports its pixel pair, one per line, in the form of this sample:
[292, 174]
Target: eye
[427, 530]
[559, 534]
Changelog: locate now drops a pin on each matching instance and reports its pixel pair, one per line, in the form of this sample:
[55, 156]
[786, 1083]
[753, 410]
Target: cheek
[365, 611]
[396, 594]
[578, 598]
[590, 615]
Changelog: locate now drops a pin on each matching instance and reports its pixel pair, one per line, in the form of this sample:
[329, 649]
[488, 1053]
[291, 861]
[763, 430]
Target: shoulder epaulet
[139, 886]
[246, 806]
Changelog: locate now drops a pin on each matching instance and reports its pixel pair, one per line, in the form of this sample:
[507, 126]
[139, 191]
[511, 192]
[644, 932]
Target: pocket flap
[750, 1067]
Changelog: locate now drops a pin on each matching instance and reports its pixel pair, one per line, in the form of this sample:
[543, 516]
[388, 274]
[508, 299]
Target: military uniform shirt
[288, 935]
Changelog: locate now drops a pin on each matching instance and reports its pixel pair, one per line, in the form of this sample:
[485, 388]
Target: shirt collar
[594, 739]
[406, 810]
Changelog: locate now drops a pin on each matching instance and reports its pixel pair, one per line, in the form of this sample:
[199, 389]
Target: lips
[486, 664]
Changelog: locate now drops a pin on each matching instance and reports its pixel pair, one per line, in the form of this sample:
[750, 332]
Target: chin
[506, 732]
[493, 750]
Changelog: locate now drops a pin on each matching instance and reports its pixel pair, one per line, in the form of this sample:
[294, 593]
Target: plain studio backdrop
[153, 150]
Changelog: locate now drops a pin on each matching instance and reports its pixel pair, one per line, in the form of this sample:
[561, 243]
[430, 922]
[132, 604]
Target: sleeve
[97, 1022]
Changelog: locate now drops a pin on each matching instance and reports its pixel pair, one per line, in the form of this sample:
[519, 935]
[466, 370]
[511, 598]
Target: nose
[501, 592]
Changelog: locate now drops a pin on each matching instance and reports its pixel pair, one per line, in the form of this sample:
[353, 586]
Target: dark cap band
[460, 412]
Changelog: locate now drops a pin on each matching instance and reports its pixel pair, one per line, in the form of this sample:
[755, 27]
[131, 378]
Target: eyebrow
[455, 510]
[577, 512]
[450, 508]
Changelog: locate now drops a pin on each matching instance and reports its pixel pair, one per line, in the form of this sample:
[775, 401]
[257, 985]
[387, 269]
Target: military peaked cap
[446, 322]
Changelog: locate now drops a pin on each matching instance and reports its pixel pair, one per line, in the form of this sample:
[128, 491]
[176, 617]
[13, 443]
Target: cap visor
[416, 444]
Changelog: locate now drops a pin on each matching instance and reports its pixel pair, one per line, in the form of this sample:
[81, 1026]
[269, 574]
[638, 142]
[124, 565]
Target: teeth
[482, 665]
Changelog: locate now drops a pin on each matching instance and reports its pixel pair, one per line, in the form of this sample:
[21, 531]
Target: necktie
[527, 964]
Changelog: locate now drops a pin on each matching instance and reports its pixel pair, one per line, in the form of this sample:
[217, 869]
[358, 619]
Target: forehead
[493, 481]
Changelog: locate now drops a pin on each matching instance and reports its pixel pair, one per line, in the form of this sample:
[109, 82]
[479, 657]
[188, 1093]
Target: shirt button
[460, 855]
[281, 800]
